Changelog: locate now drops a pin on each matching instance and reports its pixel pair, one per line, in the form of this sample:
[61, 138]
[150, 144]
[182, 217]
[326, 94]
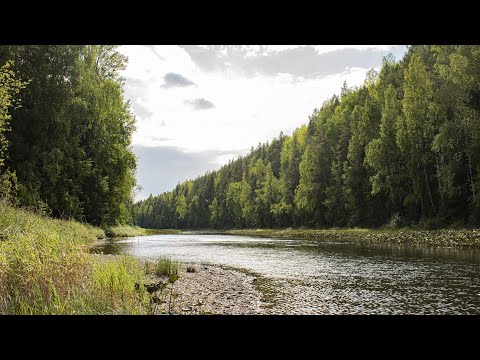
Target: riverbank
[314, 277]
[455, 238]
[45, 268]
[130, 231]
[204, 289]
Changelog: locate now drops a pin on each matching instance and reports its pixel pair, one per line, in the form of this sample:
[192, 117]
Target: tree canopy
[403, 148]
[69, 142]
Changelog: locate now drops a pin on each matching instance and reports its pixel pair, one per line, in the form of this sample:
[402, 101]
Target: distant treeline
[403, 149]
[65, 132]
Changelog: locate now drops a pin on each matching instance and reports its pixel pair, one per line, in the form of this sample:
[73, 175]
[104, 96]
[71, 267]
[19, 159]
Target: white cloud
[264, 50]
[144, 62]
[247, 110]
[323, 49]
[267, 50]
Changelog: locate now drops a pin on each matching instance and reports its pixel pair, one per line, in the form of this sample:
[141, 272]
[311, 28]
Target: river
[312, 277]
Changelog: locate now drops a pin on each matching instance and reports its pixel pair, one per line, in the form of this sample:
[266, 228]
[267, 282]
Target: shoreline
[213, 289]
[208, 289]
[443, 238]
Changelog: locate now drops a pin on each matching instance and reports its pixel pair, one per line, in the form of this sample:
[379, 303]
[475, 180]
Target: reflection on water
[311, 277]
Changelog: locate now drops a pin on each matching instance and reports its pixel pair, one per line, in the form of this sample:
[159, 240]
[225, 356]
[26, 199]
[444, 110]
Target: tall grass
[124, 231]
[45, 269]
[114, 288]
[127, 231]
[162, 266]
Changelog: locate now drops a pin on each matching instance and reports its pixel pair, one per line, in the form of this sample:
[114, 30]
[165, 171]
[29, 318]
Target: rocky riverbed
[207, 289]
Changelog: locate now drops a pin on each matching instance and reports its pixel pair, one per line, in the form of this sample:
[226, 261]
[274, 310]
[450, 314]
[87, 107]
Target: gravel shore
[211, 289]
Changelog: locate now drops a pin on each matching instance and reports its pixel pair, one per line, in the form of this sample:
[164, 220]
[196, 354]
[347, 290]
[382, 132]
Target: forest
[400, 151]
[403, 149]
[65, 132]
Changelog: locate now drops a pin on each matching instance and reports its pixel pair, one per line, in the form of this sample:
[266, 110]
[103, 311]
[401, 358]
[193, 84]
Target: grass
[124, 231]
[45, 269]
[128, 231]
[162, 231]
[458, 238]
[112, 289]
[163, 266]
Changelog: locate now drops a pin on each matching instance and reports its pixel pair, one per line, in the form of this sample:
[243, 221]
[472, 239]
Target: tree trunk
[439, 183]
[471, 178]
[428, 187]
[421, 204]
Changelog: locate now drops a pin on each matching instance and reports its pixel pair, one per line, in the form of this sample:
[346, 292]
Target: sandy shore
[210, 290]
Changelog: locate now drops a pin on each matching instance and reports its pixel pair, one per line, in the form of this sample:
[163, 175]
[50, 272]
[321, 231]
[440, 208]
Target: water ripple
[310, 277]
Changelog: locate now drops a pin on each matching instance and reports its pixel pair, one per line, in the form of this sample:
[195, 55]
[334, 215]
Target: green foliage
[400, 150]
[69, 144]
[10, 86]
[8, 187]
[181, 207]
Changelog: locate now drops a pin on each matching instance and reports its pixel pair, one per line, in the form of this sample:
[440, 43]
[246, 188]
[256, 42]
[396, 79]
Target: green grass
[458, 238]
[45, 269]
[112, 288]
[162, 266]
[162, 231]
[124, 231]
[128, 231]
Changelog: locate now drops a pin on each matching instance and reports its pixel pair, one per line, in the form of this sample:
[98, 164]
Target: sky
[198, 106]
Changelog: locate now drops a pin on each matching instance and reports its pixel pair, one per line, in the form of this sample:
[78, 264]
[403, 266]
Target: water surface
[312, 277]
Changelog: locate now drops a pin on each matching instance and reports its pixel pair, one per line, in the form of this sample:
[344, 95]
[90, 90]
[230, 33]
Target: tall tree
[70, 141]
[416, 133]
[403, 146]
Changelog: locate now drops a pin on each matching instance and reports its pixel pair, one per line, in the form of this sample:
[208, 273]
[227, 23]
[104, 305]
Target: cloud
[299, 60]
[160, 168]
[257, 91]
[136, 92]
[176, 80]
[139, 110]
[154, 51]
[159, 138]
[200, 104]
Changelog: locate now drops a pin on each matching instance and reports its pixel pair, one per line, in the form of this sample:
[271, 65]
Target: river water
[312, 277]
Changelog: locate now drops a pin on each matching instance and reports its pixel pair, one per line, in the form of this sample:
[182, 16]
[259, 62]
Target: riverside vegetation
[402, 150]
[128, 231]
[65, 133]
[45, 268]
[454, 238]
